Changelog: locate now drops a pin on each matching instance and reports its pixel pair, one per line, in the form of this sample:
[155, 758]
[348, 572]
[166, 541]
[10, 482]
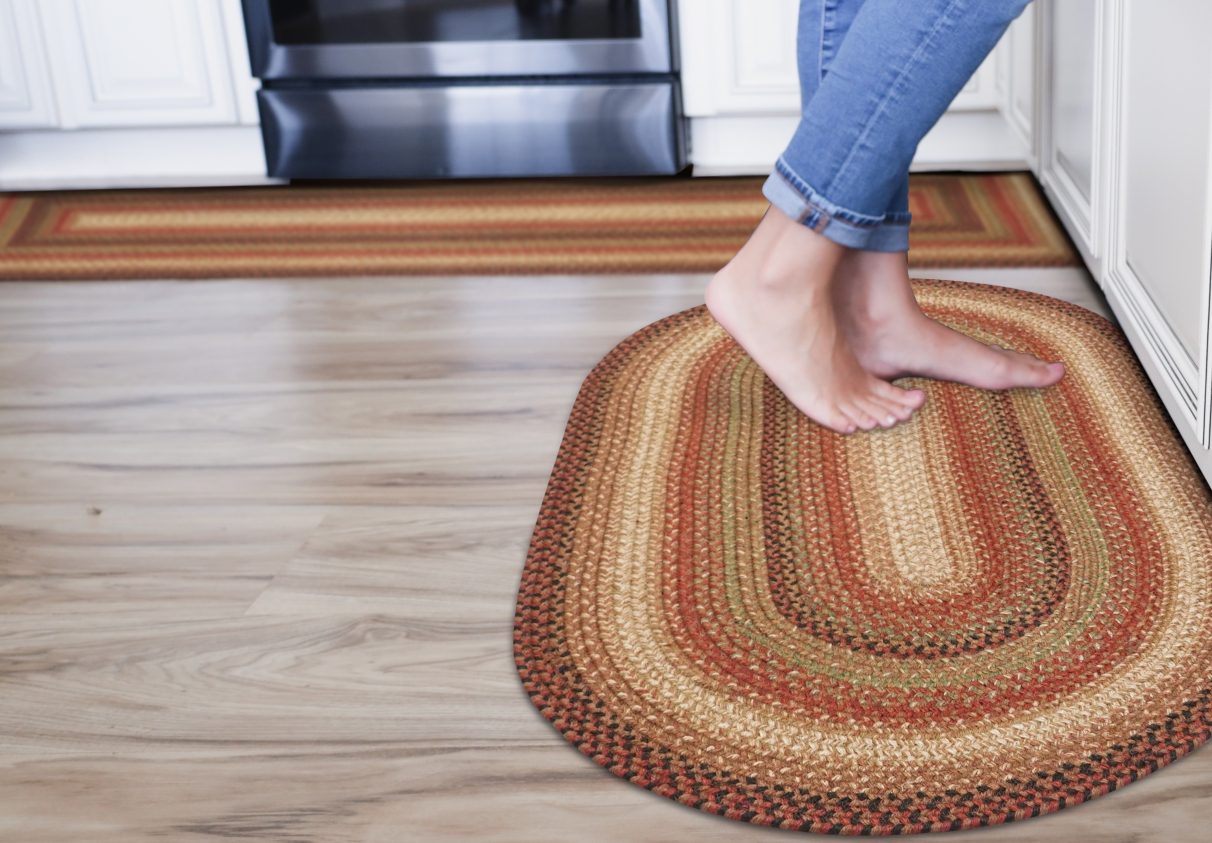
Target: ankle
[863, 307]
[801, 261]
[777, 275]
[878, 304]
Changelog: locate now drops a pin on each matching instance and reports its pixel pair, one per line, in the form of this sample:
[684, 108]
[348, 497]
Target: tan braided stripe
[999, 609]
[573, 226]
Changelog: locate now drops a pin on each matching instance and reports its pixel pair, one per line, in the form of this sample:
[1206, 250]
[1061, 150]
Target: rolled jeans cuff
[798, 200]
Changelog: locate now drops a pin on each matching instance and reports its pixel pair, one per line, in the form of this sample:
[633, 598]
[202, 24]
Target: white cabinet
[1159, 230]
[740, 89]
[113, 93]
[1127, 162]
[26, 101]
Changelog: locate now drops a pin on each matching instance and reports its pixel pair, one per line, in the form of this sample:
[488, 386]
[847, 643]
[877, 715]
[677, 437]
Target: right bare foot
[892, 337]
[774, 299]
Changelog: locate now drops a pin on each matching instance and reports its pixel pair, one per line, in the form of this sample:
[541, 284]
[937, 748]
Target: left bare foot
[774, 299]
[892, 338]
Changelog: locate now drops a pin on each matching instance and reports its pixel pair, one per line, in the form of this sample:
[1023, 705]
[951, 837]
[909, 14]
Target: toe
[887, 418]
[903, 412]
[866, 421]
[862, 419]
[1056, 371]
[913, 399]
[1034, 372]
[889, 412]
[838, 422]
[1012, 369]
[878, 409]
[909, 398]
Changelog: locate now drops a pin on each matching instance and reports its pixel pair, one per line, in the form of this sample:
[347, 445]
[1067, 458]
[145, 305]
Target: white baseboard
[198, 156]
[194, 156]
[962, 140]
[738, 146]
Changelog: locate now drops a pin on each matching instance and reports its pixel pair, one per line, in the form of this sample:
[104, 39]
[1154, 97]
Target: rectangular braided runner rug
[998, 609]
[575, 226]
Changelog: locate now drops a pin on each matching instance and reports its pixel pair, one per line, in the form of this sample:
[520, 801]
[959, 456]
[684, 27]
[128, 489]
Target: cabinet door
[139, 62]
[1162, 188]
[26, 101]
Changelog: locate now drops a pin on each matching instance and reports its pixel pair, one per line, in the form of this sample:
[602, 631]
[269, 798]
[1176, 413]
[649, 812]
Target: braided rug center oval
[999, 609]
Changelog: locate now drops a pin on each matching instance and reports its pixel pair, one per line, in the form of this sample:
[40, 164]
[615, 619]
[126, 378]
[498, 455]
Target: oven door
[416, 39]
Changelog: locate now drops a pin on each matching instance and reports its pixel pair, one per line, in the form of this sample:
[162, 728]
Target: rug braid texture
[495, 227]
[997, 610]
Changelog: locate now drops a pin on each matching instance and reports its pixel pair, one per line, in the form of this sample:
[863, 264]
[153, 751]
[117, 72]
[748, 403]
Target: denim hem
[817, 202]
[889, 236]
[796, 199]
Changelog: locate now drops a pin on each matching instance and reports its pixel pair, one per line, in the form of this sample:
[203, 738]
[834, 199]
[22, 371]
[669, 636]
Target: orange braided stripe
[571, 226]
[999, 609]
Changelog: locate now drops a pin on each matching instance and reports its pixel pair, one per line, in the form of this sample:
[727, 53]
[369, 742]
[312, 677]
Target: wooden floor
[260, 545]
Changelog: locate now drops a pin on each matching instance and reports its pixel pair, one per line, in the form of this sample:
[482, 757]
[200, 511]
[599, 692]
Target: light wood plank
[266, 684]
[140, 561]
[421, 562]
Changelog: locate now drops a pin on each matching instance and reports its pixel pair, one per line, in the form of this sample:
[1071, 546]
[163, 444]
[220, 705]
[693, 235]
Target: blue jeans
[875, 76]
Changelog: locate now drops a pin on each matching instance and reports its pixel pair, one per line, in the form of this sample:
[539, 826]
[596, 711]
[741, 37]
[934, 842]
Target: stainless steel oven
[464, 88]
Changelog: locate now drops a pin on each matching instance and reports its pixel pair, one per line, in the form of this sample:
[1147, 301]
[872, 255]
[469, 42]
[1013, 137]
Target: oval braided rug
[999, 609]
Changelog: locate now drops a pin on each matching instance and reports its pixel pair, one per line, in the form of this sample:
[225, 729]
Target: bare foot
[892, 338]
[774, 299]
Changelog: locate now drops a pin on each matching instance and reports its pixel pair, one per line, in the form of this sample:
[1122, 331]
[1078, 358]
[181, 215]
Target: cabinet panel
[143, 53]
[1074, 27]
[750, 66]
[25, 96]
[140, 62]
[1018, 74]
[980, 93]
[765, 46]
[1167, 111]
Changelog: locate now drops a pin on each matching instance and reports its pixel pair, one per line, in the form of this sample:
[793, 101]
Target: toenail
[891, 419]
